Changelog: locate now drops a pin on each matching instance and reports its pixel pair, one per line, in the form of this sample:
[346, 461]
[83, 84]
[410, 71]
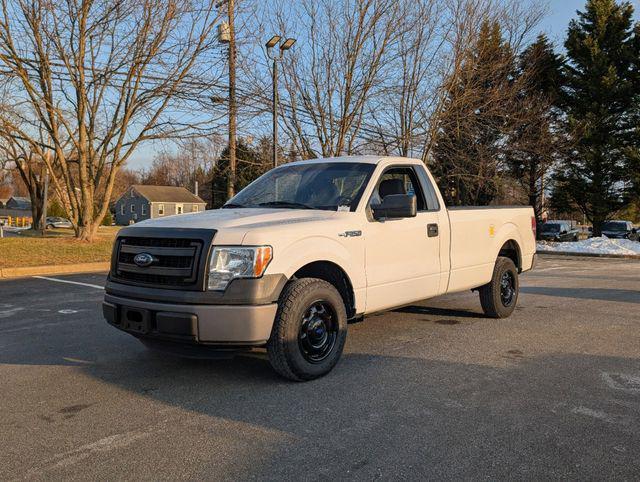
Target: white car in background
[57, 222]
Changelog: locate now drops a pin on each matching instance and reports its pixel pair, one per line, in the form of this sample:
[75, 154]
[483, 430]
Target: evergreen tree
[602, 103]
[471, 128]
[539, 139]
[252, 162]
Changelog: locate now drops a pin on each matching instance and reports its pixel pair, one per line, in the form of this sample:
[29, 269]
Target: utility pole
[231, 180]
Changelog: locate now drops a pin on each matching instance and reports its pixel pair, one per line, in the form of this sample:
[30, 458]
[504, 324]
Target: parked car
[56, 222]
[305, 248]
[620, 230]
[558, 231]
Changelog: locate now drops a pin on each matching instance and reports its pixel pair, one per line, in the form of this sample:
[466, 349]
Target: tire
[308, 308]
[496, 303]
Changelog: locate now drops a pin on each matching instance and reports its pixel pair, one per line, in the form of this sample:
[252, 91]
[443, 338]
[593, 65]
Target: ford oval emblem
[143, 259]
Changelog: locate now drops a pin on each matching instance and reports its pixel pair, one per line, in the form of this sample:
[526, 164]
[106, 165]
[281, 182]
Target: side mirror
[396, 206]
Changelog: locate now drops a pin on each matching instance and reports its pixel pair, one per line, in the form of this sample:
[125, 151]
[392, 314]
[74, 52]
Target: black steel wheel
[318, 332]
[499, 297]
[507, 288]
[309, 331]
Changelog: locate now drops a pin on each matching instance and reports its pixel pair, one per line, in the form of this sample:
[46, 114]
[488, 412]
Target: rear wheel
[309, 331]
[499, 297]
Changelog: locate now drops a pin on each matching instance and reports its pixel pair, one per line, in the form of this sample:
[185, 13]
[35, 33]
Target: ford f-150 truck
[303, 250]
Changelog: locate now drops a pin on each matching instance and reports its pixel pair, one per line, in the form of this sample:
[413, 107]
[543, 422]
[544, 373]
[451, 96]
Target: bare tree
[412, 75]
[16, 157]
[101, 77]
[330, 77]
[191, 161]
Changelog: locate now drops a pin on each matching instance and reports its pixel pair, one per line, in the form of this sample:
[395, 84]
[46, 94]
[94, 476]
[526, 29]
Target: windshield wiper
[286, 204]
[232, 205]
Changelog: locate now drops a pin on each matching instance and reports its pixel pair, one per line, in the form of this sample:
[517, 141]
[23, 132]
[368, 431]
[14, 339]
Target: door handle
[432, 230]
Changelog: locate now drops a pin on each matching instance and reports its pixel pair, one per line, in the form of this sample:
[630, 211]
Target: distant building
[149, 202]
[17, 202]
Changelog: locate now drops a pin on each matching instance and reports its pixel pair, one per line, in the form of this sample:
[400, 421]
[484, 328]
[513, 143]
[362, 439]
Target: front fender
[321, 248]
[348, 255]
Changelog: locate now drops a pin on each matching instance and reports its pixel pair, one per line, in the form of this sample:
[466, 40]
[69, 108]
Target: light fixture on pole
[286, 45]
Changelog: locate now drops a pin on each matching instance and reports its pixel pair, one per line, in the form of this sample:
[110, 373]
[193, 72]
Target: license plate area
[135, 320]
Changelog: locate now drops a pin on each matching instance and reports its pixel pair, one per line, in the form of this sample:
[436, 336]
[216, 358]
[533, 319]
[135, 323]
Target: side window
[430, 192]
[160, 209]
[399, 180]
[178, 208]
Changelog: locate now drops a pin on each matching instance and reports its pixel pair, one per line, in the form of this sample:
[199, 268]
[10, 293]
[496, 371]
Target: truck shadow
[374, 413]
[433, 311]
[375, 409]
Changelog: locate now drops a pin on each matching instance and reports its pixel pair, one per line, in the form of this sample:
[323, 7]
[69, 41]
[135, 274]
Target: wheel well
[334, 274]
[511, 250]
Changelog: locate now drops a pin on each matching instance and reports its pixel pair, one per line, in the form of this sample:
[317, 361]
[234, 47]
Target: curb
[26, 271]
[589, 255]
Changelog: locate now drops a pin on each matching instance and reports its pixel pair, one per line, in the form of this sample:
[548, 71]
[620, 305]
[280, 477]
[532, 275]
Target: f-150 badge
[350, 234]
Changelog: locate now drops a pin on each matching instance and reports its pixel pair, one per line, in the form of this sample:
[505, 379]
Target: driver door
[402, 255]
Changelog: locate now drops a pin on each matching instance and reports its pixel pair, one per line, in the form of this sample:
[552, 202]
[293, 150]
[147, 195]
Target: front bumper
[224, 325]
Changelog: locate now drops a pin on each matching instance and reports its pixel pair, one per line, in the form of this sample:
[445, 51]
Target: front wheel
[499, 297]
[309, 331]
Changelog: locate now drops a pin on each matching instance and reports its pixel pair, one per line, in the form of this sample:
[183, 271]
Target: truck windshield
[614, 226]
[328, 186]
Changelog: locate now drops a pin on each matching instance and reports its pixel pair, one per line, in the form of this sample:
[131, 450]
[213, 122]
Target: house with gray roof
[18, 202]
[141, 202]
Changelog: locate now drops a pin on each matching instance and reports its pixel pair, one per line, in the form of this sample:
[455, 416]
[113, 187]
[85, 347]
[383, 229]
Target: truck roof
[367, 159]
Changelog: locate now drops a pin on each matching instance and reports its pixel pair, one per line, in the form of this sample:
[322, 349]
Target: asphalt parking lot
[427, 391]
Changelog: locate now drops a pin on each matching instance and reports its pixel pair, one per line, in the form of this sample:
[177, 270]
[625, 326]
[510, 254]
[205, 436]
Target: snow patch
[601, 245]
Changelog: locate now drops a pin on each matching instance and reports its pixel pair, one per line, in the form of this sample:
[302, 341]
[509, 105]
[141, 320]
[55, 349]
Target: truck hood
[243, 218]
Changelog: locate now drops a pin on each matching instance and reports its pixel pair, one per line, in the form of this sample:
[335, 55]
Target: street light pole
[286, 45]
[274, 112]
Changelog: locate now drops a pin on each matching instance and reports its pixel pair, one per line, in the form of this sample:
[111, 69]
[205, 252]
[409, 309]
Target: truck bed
[478, 233]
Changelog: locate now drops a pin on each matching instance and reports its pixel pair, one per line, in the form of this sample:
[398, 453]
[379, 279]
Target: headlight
[230, 262]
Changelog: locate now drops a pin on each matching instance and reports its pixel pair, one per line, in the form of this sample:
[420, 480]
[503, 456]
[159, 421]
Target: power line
[302, 116]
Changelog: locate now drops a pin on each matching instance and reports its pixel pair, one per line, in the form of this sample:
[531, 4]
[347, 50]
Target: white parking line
[70, 282]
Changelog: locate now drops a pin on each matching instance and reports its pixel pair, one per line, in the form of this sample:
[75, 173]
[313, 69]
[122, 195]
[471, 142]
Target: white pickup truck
[305, 249]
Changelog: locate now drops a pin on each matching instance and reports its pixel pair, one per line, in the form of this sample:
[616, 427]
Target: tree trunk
[36, 195]
[87, 232]
[37, 207]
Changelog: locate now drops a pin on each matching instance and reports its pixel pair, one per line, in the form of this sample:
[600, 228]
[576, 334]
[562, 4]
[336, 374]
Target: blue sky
[561, 12]
[555, 24]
